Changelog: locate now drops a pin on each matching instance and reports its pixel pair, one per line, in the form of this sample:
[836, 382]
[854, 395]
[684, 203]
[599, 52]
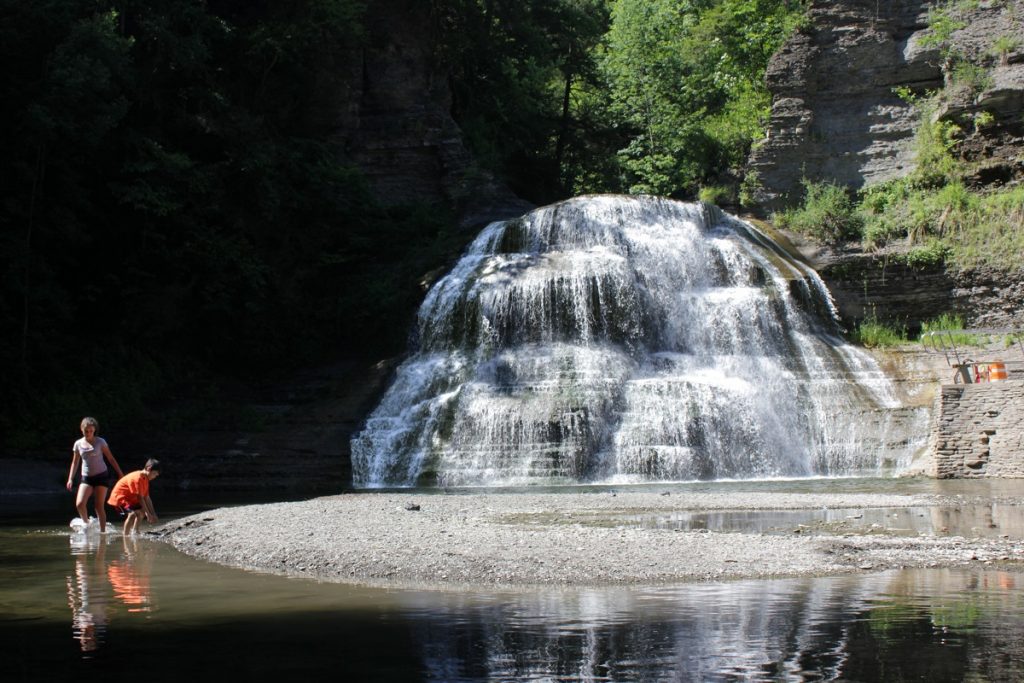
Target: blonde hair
[86, 421]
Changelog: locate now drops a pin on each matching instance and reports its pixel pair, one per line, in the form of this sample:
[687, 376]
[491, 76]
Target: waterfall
[620, 339]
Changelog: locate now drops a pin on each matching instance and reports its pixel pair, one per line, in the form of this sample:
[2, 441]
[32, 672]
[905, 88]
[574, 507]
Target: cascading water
[610, 338]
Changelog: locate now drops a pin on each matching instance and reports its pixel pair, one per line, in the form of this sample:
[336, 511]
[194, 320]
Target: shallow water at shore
[78, 609]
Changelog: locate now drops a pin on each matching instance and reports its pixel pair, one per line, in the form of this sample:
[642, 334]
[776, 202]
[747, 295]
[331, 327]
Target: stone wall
[979, 430]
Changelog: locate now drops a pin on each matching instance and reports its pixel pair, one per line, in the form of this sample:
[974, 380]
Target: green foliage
[1002, 46]
[983, 119]
[749, 188]
[942, 24]
[873, 333]
[526, 92]
[945, 322]
[970, 76]
[930, 255]
[989, 231]
[686, 83]
[717, 194]
[953, 223]
[934, 208]
[931, 209]
[951, 327]
[576, 96]
[934, 142]
[175, 213]
[828, 213]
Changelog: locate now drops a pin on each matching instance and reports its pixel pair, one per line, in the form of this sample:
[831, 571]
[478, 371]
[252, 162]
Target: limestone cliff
[835, 114]
[836, 117]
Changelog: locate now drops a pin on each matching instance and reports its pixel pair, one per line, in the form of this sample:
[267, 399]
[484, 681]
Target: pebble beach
[514, 540]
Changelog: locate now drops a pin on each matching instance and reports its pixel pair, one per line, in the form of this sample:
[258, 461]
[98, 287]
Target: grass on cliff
[873, 333]
[948, 223]
[952, 329]
[934, 210]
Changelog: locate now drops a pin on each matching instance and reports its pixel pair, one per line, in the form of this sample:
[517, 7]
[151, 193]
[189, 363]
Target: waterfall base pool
[120, 607]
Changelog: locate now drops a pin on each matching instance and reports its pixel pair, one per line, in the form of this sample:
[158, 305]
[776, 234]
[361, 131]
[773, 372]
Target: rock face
[893, 292]
[296, 437]
[393, 116]
[835, 115]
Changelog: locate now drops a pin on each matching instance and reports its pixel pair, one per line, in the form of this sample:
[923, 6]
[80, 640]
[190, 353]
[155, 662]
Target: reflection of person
[94, 453]
[130, 496]
[87, 599]
[129, 576]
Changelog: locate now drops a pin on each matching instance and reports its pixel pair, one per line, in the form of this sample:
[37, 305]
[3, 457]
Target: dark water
[77, 608]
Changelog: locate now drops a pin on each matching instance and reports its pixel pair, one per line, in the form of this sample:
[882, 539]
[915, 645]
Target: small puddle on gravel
[982, 521]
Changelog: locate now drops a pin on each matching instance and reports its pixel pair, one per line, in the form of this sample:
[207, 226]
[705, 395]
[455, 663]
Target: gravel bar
[456, 541]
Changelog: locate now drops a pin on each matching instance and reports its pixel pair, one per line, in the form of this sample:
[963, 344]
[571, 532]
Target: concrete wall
[979, 430]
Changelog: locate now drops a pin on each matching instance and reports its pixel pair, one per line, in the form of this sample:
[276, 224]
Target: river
[89, 608]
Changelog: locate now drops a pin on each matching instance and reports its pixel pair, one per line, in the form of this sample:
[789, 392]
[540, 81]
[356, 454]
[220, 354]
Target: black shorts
[102, 479]
[125, 509]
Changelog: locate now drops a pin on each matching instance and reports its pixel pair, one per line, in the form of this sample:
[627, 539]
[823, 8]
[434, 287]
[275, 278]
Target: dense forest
[177, 215]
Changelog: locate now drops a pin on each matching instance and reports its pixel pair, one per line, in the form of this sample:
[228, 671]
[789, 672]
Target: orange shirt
[130, 489]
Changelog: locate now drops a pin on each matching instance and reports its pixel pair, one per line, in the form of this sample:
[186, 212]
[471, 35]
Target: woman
[94, 454]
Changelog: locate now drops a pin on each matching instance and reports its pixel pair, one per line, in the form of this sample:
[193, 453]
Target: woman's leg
[84, 491]
[98, 501]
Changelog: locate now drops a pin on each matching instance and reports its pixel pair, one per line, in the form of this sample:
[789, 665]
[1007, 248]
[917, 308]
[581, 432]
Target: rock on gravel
[435, 540]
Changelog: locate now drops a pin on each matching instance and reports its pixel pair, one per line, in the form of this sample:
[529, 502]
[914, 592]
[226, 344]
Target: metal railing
[971, 371]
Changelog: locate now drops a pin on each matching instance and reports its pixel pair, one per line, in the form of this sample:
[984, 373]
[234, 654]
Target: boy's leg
[131, 522]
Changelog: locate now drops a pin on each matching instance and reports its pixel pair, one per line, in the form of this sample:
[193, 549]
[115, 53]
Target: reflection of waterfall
[907, 625]
[626, 338]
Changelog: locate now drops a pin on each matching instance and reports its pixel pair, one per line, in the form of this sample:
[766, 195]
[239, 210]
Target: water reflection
[87, 590]
[129, 574]
[915, 624]
[100, 584]
[975, 521]
[935, 625]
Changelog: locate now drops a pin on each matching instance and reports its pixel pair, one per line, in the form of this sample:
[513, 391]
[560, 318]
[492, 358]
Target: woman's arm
[75, 458]
[112, 460]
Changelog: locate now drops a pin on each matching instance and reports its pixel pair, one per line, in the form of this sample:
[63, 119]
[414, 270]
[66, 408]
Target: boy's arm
[74, 465]
[147, 506]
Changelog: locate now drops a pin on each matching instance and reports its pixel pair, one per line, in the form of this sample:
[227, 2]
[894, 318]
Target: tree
[174, 209]
[515, 65]
[686, 78]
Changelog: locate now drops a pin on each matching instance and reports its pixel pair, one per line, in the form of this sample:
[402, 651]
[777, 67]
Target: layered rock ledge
[417, 540]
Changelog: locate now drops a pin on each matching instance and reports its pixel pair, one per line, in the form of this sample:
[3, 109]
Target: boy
[130, 495]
